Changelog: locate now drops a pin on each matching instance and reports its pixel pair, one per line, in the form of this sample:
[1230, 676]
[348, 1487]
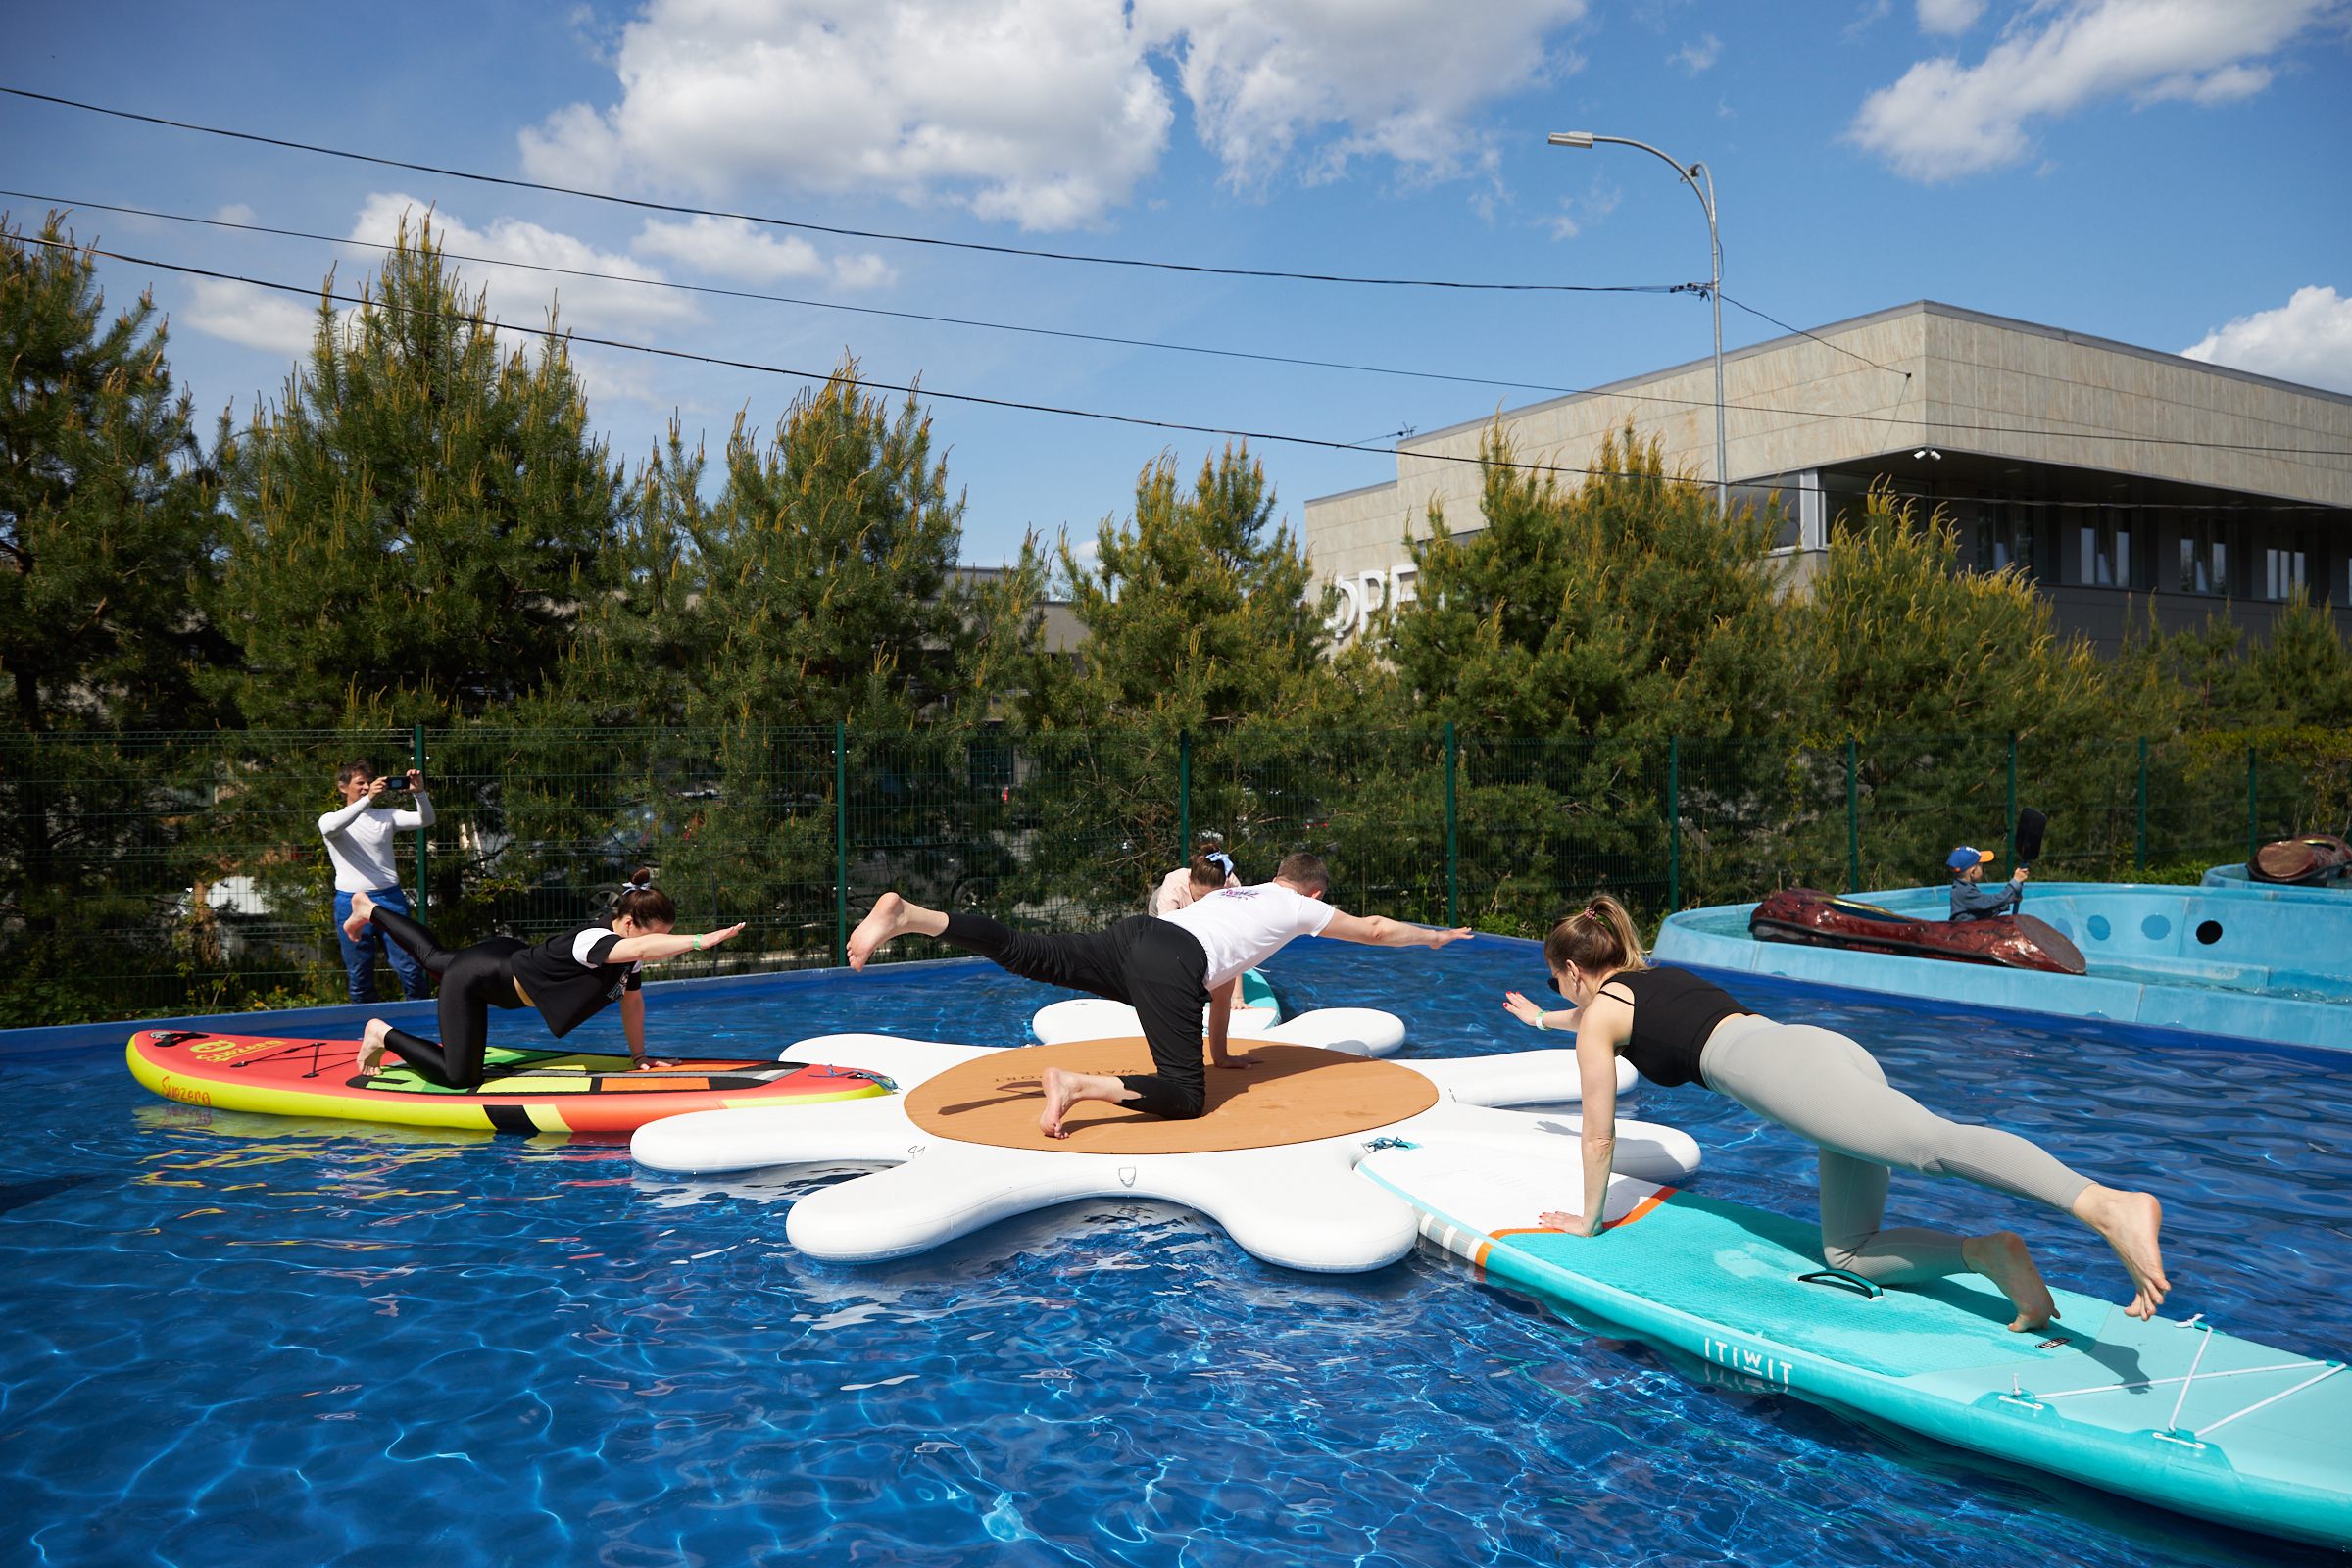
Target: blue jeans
[358, 958]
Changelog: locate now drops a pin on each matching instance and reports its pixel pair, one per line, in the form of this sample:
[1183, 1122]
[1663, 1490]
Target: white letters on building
[1366, 594]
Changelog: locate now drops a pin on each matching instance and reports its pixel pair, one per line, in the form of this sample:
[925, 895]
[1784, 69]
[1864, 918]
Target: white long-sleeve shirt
[359, 840]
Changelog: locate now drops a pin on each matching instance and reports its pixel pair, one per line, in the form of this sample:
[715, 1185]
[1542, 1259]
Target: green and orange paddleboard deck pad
[521, 1092]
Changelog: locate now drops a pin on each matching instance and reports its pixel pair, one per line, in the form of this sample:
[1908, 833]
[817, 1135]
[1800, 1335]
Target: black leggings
[1156, 968]
[474, 980]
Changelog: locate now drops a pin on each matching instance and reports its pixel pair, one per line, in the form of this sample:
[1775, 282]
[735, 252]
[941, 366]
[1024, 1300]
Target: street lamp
[1691, 176]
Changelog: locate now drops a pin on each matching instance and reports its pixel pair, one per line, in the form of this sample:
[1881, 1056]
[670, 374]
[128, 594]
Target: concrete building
[2109, 473]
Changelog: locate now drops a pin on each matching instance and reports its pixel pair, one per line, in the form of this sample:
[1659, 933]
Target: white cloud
[1039, 111]
[1698, 57]
[601, 305]
[730, 247]
[1943, 119]
[1949, 17]
[1599, 201]
[865, 269]
[1399, 79]
[1046, 113]
[2308, 339]
[609, 376]
[259, 318]
[235, 212]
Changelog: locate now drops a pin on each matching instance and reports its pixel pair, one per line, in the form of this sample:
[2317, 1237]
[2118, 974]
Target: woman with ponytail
[1677, 1028]
[568, 978]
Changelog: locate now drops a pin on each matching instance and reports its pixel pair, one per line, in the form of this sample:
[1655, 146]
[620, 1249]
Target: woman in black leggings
[568, 978]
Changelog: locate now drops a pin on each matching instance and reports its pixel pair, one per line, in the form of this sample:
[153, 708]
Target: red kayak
[1824, 919]
[2312, 859]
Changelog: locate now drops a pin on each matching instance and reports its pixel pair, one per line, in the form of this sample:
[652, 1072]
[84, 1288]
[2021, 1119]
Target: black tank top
[1674, 1012]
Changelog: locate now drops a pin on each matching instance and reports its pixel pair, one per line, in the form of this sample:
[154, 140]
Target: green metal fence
[155, 873]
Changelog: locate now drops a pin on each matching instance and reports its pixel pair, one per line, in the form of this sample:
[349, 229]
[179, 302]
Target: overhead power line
[864, 309]
[565, 336]
[1937, 427]
[837, 230]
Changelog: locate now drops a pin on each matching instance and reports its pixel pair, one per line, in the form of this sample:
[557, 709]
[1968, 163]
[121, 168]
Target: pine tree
[820, 587]
[106, 514]
[1897, 638]
[1624, 607]
[419, 523]
[1197, 609]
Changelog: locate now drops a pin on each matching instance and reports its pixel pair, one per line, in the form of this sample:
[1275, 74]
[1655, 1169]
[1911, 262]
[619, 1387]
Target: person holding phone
[360, 842]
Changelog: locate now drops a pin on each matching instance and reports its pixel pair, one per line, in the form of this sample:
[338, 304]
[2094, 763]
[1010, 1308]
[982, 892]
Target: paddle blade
[2030, 826]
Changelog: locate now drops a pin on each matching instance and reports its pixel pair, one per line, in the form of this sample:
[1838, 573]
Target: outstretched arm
[1379, 931]
[668, 945]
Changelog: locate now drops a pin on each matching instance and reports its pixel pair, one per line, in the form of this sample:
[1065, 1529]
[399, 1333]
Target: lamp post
[1691, 176]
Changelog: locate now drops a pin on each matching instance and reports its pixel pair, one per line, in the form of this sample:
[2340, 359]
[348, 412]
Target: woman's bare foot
[2002, 1258]
[892, 917]
[371, 1059]
[361, 906]
[1065, 1089]
[2130, 1222]
[1061, 1092]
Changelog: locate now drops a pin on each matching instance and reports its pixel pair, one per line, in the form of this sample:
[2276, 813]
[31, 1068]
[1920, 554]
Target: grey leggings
[1822, 1087]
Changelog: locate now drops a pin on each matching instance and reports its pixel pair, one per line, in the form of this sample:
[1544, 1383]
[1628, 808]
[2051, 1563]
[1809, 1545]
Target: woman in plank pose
[568, 978]
[1677, 1028]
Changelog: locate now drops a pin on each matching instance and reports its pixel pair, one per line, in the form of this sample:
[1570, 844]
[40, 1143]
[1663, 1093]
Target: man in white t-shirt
[360, 841]
[1169, 968]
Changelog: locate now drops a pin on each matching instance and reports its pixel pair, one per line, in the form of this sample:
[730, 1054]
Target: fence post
[1452, 842]
[1674, 824]
[2140, 836]
[1853, 821]
[425, 838]
[2012, 799]
[2253, 809]
[1183, 796]
[840, 843]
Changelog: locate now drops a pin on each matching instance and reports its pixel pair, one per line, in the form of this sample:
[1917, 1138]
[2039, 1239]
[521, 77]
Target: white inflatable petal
[952, 1191]
[705, 1142]
[904, 1062]
[1356, 1031]
[1516, 1078]
[1058, 1023]
[1356, 1225]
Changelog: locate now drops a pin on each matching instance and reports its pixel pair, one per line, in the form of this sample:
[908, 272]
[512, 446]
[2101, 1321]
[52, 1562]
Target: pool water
[232, 1338]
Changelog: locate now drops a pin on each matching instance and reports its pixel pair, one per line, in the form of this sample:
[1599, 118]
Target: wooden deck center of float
[1294, 1095]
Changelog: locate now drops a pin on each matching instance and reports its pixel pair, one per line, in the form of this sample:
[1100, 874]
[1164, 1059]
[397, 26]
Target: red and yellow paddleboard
[524, 1090]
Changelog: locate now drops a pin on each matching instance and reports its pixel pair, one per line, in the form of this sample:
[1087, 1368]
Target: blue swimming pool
[232, 1338]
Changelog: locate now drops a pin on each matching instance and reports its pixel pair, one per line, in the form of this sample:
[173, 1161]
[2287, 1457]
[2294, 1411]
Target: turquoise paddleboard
[1257, 992]
[2175, 1413]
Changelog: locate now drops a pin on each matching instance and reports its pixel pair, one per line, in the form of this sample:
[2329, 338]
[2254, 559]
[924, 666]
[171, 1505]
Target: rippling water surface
[238, 1339]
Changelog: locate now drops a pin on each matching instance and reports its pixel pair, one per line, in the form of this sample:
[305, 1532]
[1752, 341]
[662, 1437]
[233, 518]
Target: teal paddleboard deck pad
[2173, 1412]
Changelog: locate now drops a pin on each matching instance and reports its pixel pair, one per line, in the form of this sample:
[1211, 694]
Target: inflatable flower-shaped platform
[1272, 1158]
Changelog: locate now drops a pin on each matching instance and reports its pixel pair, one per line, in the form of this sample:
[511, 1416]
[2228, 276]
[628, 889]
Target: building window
[2204, 558]
[2282, 572]
[2002, 540]
[2106, 554]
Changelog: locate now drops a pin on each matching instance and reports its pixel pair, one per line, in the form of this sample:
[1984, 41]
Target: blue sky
[2165, 173]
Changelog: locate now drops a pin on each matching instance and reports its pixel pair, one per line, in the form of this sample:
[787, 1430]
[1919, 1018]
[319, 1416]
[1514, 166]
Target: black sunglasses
[1554, 981]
